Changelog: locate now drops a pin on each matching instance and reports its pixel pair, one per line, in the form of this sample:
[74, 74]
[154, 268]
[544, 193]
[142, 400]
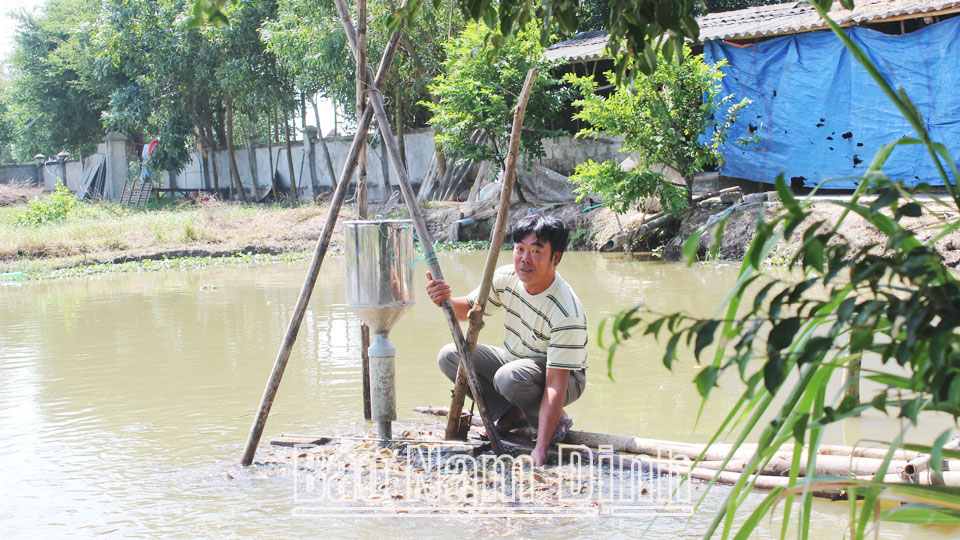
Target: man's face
[535, 263]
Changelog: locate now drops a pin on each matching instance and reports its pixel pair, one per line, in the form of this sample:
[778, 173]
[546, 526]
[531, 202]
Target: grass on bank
[97, 232]
[54, 236]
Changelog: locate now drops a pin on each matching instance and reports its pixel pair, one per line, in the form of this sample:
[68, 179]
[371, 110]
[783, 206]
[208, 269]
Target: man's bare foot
[513, 419]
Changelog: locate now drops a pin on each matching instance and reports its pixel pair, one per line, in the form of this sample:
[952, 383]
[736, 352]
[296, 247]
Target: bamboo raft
[680, 458]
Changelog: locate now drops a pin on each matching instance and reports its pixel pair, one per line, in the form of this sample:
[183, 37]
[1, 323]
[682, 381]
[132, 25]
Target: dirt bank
[16, 193]
[740, 228]
[105, 233]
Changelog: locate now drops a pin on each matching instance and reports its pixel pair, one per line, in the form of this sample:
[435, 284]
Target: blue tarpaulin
[819, 115]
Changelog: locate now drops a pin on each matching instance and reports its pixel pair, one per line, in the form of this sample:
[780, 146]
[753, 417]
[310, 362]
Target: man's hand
[539, 455]
[551, 409]
[438, 290]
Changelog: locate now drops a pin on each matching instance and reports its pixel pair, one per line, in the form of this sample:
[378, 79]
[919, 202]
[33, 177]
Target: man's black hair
[546, 228]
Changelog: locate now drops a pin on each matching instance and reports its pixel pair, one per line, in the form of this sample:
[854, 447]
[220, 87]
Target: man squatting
[542, 364]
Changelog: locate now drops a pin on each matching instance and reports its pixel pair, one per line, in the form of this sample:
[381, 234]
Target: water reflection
[125, 400]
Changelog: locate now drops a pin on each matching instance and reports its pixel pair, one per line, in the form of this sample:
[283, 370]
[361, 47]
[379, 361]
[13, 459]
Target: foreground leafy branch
[890, 312]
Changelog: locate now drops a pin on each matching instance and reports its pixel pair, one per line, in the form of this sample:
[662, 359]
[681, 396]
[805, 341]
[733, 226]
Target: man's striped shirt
[548, 325]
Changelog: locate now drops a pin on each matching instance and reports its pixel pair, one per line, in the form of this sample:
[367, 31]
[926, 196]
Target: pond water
[125, 400]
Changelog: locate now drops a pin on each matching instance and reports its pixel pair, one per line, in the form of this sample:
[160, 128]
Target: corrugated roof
[766, 21]
[585, 46]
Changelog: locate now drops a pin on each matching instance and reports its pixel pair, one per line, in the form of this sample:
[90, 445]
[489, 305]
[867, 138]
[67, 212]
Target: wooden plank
[296, 440]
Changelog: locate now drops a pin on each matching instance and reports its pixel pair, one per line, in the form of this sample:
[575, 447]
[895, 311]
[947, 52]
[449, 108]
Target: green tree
[674, 116]
[593, 15]
[6, 127]
[52, 87]
[886, 313]
[309, 41]
[191, 83]
[169, 69]
[478, 92]
[635, 26]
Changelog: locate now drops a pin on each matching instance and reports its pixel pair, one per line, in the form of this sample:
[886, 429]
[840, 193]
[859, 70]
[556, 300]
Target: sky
[8, 25]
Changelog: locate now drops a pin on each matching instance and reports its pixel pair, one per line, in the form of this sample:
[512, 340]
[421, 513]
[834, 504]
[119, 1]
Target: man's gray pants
[505, 384]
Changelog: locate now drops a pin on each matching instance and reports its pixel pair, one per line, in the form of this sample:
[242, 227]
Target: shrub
[60, 204]
[675, 117]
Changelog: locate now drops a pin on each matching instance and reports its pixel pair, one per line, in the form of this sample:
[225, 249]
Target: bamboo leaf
[944, 452]
[768, 503]
[690, 248]
[813, 255]
[671, 352]
[936, 453]
[893, 380]
[786, 195]
[773, 374]
[922, 514]
[705, 337]
[610, 353]
[707, 379]
[910, 209]
[654, 327]
[603, 323]
[782, 334]
[885, 199]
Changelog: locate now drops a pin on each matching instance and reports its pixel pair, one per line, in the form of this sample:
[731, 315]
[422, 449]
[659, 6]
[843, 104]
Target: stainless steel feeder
[379, 263]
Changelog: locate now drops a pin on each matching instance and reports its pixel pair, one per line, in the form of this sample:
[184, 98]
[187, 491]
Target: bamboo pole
[375, 99]
[948, 478]
[266, 402]
[760, 482]
[832, 459]
[915, 466]
[496, 240]
[859, 451]
[361, 192]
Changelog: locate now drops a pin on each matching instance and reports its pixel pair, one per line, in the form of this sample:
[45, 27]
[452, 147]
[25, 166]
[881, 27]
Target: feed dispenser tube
[379, 267]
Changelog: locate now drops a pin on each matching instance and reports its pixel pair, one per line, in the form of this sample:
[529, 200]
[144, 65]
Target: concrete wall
[18, 172]
[565, 153]
[419, 150]
[52, 174]
[562, 155]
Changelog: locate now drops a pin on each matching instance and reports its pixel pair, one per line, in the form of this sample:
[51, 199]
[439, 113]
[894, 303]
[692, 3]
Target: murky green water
[125, 400]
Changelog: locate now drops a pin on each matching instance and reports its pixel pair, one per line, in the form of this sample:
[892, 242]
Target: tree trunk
[399, 122]
[273, 176]
[361, 103]
[851, 378]
[276, 125]
[422, 73]
[496, 148]
[216, 170]
[250, 144]
[204, 165]
[234, 171]
[362, 188]
[212, 154]
[323, 143]
[294, 192]
[303, 112]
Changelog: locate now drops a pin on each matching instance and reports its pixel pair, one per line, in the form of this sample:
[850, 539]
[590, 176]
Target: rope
[429, 257]
[594, 207]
